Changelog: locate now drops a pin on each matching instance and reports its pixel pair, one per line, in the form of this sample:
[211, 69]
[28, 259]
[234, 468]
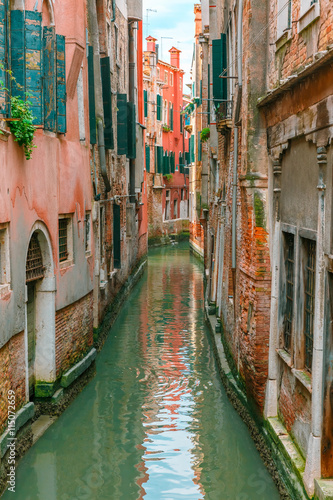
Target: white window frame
[70, 242]
[310, 11]
[4, 260]
[283, 21]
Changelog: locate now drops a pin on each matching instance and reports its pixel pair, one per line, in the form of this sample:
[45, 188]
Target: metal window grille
[34, 266]
[309, 302]
[63, 247]
[289, 290]
[87, 231]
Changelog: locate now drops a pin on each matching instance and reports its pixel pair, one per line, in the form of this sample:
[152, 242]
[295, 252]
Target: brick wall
[74, 333]
[12, 370]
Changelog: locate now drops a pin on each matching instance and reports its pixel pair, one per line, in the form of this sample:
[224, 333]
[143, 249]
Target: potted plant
[205, 134]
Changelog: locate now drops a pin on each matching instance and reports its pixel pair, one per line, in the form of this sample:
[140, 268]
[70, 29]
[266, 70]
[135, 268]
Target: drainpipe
[235, 179]
[131, 96]
[94, 39]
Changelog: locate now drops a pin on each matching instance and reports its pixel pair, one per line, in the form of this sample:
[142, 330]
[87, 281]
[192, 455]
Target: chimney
[175, 57]
[151, 44]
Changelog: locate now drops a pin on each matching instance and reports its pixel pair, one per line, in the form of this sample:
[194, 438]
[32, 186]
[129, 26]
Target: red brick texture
[74, 333]
[12, 370]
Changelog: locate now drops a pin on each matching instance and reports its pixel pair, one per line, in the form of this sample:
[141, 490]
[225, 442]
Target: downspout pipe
[235, 177]
[131, 95]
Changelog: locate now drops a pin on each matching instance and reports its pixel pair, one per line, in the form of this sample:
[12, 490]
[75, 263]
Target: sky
[174, 18]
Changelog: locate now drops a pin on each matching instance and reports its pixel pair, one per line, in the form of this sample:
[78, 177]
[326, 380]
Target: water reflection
[155, 423]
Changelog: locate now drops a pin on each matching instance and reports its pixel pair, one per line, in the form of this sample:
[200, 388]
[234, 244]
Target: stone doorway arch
[40, 314]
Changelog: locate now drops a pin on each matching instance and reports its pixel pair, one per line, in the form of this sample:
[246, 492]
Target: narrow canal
[155, 422]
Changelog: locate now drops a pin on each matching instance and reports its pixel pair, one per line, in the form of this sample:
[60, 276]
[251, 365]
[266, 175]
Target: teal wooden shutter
[107, 102]
[172, 161]
[171, 117]
[181, 121]
[49, 78]
[199, 147]
[116, 237]
[187, 158]
[165, 163]
[159, 107]
[3, 57]
[33, 63]
[122, 146]
[192, 156]
[147, 158]
[200, 101]
[219, 55]
[61, 85]
[160, 159]
[17, 53]
[145, 101]
[91, 90]
[131, 131]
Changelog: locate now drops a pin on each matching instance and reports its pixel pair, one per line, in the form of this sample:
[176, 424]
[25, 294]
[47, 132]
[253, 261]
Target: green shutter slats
[145, 101]
[61, 85]
[17, 53]
[107, 103]
[199, 147]
[49, 78]
[3, 57]
[91, 91]
[219, 60]
[131, 130]
[192, 156]
[122, 145]
[187, 158]
[147, 158]
[116, 237]
[159, 107]
[172, 160]
[160, 159]
[33, 63]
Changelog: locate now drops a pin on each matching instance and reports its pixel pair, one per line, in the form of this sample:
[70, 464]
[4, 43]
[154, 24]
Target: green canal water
[155, 422]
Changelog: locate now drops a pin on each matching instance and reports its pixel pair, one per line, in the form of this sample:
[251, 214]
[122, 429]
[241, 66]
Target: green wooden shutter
[192, 156]
[91, 90]
[159, 107]
[209, 93]
[122, 146]
[145, 101]
[171, 122]
[181, 118]
[61, 85]
[187, 158]
[172, 159]
[131, 130]
[33, 63]
[3, 57]
[200, 101]
[199, 147]
[116, 237]
[107, 102]
[160, 159]
[49, 77]
[17, 53]
[219, 55]
[165, 164]
[147, 158]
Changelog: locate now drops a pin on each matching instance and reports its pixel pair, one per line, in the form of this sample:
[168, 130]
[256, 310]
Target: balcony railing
[224, 113]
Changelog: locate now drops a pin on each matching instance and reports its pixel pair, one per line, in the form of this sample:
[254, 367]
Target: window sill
[4, 290]
[308, 17]
[66, 263]
[283, 39]
[285, 356]
[303, 377]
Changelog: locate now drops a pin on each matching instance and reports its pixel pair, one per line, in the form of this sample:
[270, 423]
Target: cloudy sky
[174, 18]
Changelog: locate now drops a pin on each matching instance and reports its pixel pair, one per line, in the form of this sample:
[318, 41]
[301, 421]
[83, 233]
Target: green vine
[205, 134]
[168, 177]
[22, 125]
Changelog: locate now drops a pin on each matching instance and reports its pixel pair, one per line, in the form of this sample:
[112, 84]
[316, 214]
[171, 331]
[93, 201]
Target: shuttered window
[122, 146]
[131, 131]
[209, 93]
[192, 156]
[116, 237]
[159, 160]
[91, 87]
[147, 158]
[172, 163]
[33, 63]
[145, 101]
[107, 102]
[159, 107]
[17, 53]
[61, 85]
[199, 147]
[219, 56]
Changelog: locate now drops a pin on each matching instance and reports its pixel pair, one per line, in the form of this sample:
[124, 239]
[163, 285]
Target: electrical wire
[256, 38]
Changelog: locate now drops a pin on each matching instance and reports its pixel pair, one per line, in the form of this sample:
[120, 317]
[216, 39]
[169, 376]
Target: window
[159, 107]
[116, 45]
[65, 240]
[4, 256]
[181, 120]
[306, 5]
[87, 232]
[80, 102]
[289, 270]
[283, 18]
[166, 112]
[309, 299]
[171, 116]
[175, 209]
[158, 73]
[171, 79]
[180, 83]
[166, 77]
[167, 204]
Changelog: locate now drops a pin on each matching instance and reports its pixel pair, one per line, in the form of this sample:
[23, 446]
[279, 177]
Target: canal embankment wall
[279, 453]
[168, 239]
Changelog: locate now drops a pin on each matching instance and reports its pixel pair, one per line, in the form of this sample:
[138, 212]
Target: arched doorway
[40, 313]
